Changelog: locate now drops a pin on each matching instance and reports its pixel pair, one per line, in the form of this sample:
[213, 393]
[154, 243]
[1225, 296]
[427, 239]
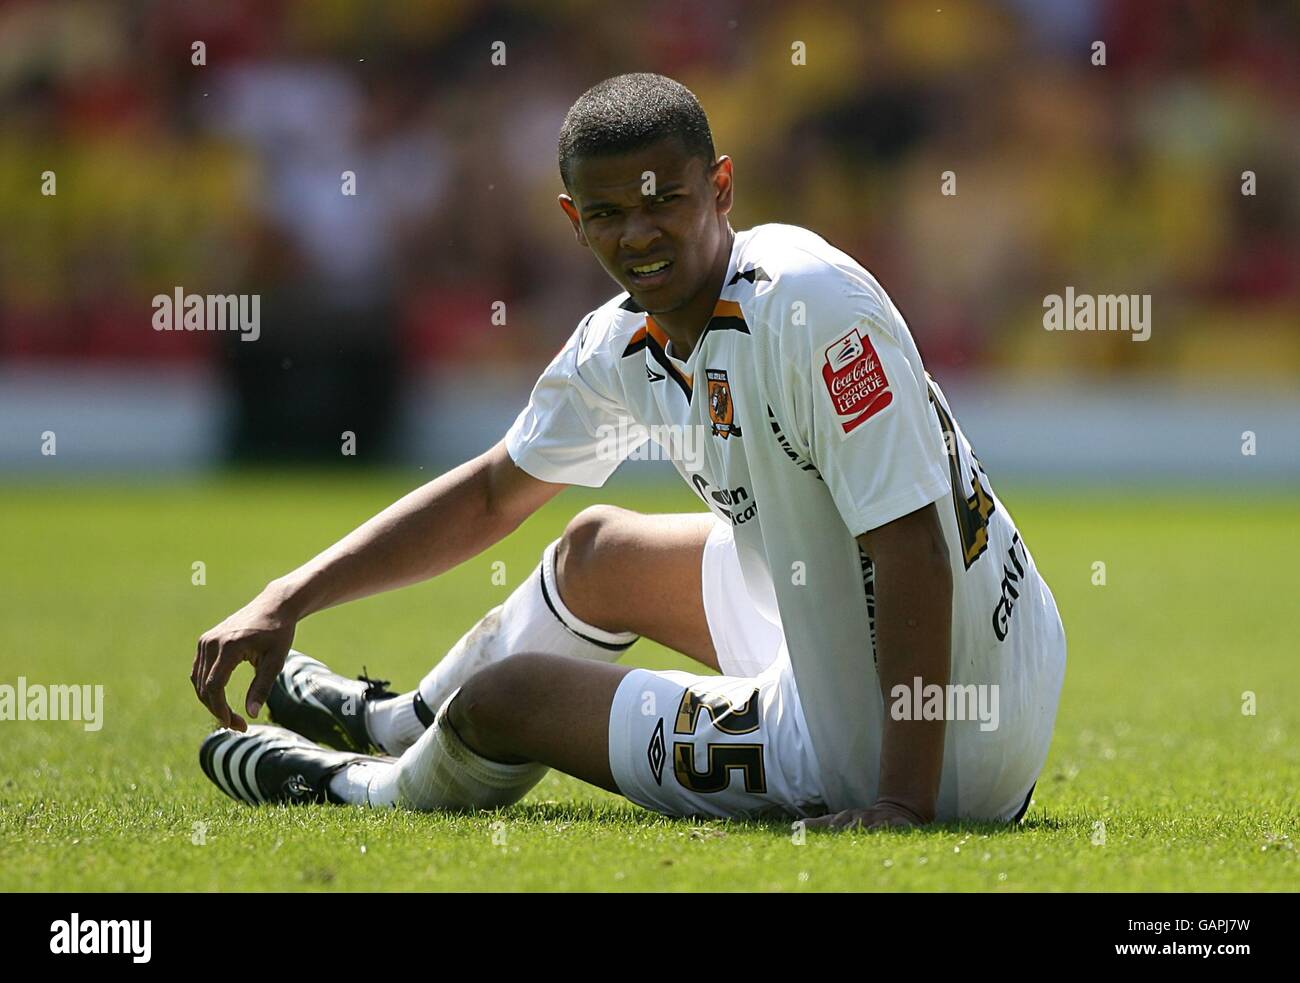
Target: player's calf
[536, 707]
[494, 739]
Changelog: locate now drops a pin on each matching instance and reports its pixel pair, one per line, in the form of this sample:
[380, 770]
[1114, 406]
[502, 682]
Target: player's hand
[259, 633]
[882, 815]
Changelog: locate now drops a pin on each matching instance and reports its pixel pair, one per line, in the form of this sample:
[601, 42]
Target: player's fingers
[224, 656]
[196, 665]
[266, 667]
[214, 686]
[207, 655]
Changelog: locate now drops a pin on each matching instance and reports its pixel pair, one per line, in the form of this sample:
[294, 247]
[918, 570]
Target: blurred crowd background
[225, 178]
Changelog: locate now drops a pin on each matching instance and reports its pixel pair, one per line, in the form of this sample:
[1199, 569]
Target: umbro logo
[653, 376]
[657, 753]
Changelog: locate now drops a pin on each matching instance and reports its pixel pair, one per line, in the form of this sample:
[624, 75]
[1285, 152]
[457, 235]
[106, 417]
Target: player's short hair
[630, 112]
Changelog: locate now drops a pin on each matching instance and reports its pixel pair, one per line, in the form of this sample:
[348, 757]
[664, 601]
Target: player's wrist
[288, 598]
[920, 813]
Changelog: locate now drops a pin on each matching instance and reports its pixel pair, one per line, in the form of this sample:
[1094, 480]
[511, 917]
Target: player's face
[683, 223]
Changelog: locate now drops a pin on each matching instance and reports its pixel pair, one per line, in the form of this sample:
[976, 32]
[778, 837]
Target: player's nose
[640, 233]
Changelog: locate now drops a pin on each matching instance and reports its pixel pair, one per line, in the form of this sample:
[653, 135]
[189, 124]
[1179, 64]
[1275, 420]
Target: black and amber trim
[651, 337]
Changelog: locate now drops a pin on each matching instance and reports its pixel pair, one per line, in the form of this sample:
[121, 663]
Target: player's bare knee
[472, 709]
[585, 557]
[586, 535]
[491, 702]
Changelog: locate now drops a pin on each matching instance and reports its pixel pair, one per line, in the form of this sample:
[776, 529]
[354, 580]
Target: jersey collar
[654, 340]
[725, 308]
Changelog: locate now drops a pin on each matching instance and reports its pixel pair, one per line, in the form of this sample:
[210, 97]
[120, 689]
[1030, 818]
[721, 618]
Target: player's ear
[571, 210]
[722, 183]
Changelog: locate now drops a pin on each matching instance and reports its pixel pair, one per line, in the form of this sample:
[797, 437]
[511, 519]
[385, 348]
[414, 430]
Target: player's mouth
[648, 276]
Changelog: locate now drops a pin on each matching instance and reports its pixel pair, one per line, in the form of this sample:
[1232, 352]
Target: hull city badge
[722, 411]
[855, 380]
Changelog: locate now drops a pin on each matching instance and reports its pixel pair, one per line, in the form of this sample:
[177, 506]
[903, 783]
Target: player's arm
[860, 401]
[432, 529]
[913, 640]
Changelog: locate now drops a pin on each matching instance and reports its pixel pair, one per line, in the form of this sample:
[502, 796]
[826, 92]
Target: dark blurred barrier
[317, 385]
[1166, 171]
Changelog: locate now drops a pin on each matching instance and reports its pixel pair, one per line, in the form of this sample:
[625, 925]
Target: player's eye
[664, 199]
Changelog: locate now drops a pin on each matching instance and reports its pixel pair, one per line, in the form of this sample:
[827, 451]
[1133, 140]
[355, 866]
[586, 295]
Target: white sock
[532, 619]
[352, 784]
[441, 772]
[393, 724]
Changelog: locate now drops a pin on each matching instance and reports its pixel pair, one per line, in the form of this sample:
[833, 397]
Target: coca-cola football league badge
[855, 380]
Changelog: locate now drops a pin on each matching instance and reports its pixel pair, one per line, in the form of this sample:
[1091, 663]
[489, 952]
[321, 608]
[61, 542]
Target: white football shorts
[737, 745]
[734, 745]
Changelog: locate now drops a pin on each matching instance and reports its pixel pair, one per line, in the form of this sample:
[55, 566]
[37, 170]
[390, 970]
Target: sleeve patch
[855, 380]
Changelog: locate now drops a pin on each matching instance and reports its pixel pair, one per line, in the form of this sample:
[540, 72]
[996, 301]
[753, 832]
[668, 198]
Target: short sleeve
[570, 432]
[873, 436]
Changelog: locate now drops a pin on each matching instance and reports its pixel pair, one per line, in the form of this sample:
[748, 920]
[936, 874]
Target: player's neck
[685, 325]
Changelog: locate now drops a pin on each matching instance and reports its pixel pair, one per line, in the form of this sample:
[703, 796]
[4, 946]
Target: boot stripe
[238, 758]
[219, 773]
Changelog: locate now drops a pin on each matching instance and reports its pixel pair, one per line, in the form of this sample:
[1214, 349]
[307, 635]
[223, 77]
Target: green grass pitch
[1156, 780]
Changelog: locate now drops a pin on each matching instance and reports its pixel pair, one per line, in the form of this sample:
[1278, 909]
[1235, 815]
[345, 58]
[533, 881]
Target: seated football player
[889, 653]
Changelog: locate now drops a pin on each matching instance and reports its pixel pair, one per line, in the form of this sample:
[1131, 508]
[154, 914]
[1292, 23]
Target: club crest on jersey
[855, 380]
[722, 411]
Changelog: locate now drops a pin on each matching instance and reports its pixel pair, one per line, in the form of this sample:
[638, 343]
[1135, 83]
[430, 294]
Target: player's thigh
[626, 571]
[726, 746]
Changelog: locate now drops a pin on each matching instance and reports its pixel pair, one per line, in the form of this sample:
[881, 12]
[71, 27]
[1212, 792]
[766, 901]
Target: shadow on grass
[627, 814]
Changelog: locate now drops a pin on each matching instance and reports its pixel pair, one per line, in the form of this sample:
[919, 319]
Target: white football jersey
[803, 417]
